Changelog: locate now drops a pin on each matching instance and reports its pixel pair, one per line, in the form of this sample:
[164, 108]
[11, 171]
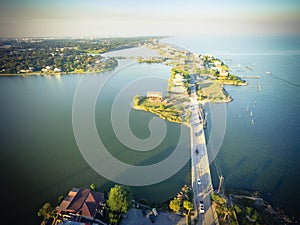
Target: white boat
[259, 87]
[268, 73]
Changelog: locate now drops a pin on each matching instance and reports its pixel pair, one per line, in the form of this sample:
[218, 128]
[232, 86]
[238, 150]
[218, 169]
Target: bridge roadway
[201, 178]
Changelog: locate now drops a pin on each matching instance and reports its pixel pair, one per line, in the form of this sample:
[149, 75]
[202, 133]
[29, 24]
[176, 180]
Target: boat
[252, 121]
[259, 87]
[249, 68]
[251, 114]
[269, 73]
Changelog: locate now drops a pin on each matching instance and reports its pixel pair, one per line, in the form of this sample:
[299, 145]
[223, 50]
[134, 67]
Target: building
[57, 70]
[224, 74]
[81, 202]
[218, 63]
[178, 76]
[178, 82]
[154, 96]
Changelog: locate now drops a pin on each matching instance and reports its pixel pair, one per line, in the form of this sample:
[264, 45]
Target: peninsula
[210, 74]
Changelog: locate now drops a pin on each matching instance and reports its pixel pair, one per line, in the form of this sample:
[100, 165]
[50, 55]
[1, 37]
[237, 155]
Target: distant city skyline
[44, 18]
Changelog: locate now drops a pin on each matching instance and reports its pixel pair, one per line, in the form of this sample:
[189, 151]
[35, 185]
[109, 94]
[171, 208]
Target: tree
[162, 107]
[188, 206]
[175, 205]
[46, 211]
[190, 195]
[136, 100]
[93, 187]
[119, 198]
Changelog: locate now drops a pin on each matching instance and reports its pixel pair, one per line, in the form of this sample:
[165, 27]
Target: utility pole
[220, 183]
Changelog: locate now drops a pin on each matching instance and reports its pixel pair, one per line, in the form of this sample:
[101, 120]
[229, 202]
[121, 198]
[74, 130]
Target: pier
[250, 77]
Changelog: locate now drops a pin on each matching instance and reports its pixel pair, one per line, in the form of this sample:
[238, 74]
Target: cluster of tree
[245, 210]
[68, 55]
[119, 201]
[47, 211]
[183, 202]
[150, 60]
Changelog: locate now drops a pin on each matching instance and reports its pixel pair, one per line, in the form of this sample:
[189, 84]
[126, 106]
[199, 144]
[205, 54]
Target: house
[82, 202]
[178, 82]
[49, 67]
[57, 70]
[179, 76]
[154, 96]
[218, 63]
[223, 74]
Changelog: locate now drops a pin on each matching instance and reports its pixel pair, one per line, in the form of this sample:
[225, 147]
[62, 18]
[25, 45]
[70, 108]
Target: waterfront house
[178, 76]
[178, 82]
[154, 96]
[57, 70]
[223, 74]
[217, 63]
[81, 203]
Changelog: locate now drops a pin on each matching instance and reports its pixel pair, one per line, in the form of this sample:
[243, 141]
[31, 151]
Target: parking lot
[135, 217]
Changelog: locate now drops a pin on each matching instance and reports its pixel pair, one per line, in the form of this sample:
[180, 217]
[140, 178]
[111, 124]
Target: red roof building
[82, 202]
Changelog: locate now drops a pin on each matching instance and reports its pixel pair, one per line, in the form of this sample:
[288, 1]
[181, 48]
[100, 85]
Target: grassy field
[213, 92]
[165, 110]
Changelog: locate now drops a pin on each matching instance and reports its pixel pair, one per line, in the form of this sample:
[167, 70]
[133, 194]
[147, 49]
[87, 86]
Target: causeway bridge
[200, 170]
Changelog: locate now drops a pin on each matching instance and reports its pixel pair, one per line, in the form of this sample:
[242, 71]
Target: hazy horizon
[33, 18]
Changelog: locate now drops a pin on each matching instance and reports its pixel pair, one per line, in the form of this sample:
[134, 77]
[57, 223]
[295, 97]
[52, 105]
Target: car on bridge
[201, 207]
[198, 181]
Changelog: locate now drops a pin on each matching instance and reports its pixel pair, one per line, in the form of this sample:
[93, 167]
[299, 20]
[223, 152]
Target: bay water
[40, 159]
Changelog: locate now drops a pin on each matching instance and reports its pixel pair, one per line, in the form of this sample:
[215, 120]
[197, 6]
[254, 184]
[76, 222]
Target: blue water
[40, 159]
[263, 155]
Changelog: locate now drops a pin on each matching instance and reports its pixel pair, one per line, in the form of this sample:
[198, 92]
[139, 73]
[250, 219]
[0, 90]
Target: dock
[250, 77]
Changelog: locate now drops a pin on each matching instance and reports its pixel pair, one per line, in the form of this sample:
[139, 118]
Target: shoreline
[51, 74]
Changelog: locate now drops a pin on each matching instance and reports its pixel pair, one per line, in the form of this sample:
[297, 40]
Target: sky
[103, 18]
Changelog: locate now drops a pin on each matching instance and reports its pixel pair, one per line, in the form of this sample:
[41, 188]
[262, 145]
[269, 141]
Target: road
[201, 178]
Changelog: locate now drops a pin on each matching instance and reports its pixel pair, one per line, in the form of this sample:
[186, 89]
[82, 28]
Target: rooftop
[81, 201]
